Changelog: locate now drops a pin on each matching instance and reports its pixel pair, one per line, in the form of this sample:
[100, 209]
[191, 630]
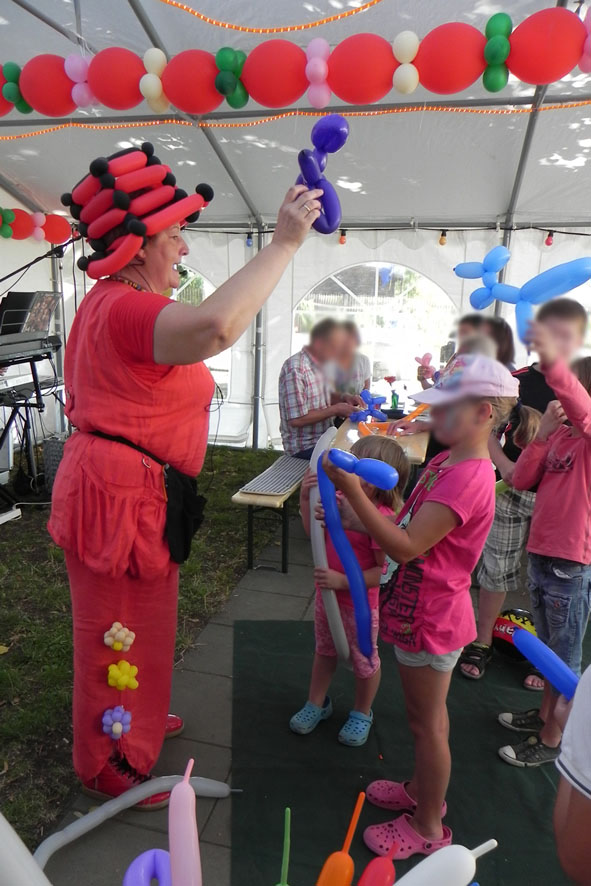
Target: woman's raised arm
[187, 334]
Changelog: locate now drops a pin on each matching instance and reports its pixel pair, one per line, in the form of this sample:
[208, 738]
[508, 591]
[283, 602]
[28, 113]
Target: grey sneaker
[526, 721]
[529, 753]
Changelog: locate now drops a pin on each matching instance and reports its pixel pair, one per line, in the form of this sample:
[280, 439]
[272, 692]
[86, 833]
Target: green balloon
[11, 71]
[495, 77]
[225, 59]
[497, 49]
[225, 82]
[5, 231]
[498, 24]
[240, 59]
[238, 98]
[11, 92]
[23, 106]
[8, 216]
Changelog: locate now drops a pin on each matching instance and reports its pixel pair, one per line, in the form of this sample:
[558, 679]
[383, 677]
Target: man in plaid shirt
[305, 403]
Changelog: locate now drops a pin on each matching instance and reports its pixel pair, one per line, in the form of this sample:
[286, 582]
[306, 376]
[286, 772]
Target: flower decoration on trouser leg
[116, 722]
[122, 675]
[119, 638]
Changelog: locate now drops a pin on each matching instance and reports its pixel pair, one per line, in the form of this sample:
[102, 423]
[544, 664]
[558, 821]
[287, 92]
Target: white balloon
[154, 60]
[329, 599]
[405, 79]
[159, 105]
[16, 862]
[405, 46]
[450, 866]
[150, 86]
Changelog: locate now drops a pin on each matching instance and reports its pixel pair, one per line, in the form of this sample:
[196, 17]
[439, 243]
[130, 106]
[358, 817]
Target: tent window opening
[400, 313]
[193, 289]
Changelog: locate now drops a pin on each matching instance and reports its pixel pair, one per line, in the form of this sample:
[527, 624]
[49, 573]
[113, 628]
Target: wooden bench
[272, 489]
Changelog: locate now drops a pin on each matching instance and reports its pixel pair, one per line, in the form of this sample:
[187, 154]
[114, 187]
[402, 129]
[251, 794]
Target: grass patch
[36, 776]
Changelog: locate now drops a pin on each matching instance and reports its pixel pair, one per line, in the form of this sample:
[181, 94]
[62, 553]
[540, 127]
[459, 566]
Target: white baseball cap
[470, 375]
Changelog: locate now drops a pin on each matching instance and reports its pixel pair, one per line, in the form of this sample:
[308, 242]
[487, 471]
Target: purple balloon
[330, 133]
[151, 865]
[328, 136]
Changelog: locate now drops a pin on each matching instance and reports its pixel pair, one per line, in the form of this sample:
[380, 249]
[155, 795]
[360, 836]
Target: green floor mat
[319, 778]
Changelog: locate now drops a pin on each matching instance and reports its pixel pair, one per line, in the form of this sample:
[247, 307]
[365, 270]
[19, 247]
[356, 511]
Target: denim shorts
[560, 592]
[445, 662]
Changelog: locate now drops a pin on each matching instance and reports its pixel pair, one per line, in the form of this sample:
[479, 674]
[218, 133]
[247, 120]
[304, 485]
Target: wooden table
[414, 445]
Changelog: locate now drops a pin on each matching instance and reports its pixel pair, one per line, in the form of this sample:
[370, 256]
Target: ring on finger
[307, 208]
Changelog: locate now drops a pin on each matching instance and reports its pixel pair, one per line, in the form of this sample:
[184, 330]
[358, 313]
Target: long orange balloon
[381, 427]
[338, 869]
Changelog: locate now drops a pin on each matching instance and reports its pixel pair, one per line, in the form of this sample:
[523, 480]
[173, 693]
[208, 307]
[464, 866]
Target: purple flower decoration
[116, 722]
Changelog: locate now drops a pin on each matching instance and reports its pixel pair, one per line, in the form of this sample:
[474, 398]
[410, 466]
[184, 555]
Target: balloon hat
[125, 198]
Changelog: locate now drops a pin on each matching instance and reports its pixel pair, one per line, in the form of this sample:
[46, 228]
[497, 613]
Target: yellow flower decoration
[122, 675]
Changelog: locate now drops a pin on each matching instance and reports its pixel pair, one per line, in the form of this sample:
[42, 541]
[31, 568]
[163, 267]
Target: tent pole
[147, 25]
[60, 328]
[50, 22]
[12, 189]
[258, 362]
[538, 101]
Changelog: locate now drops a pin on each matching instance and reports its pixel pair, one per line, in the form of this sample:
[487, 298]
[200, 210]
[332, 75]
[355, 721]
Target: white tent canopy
[402, 177]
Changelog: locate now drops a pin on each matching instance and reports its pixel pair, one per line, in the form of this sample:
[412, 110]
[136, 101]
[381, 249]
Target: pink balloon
[316, 70]
[76, 67]
[587, 46]
[82, 95]
[318, 48]
[185, 861]
[39, 219]
[38, 233]
[585, 63]
[319, 95]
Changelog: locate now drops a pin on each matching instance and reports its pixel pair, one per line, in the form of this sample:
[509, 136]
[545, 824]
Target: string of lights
[231, 124]
[285, 29]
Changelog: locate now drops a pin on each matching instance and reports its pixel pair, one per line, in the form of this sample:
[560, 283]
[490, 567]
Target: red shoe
[174, 726]
[116, 778]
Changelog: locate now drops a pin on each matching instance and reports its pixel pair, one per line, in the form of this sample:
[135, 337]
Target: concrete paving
[202, 694]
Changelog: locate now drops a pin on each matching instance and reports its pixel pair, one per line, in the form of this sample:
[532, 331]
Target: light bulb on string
[443, 238]
[343, 237]
[249, 239]
[549, 239]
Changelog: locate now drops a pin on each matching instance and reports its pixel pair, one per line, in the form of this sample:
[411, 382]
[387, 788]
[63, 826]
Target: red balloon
[546, 46]
[451, 58]
[23, 224]
[5, 107]
[113, 77]
[45, 85]
[360, 69]
[274, 73]
[188, 81]
[57, 229]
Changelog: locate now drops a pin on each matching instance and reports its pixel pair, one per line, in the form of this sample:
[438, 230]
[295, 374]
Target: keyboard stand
[22, 405]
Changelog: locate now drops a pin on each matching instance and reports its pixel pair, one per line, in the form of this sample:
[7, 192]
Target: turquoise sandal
[355, 732]
[306, 720]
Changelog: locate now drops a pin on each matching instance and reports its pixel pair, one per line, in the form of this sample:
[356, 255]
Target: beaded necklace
[119, 279]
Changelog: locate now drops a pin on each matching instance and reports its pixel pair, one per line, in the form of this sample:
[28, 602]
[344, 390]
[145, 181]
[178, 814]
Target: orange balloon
[338, 870]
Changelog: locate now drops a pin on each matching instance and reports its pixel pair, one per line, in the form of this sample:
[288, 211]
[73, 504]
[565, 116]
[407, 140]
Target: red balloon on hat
[360, 69]
[274, 73]
[44, 84]
[23, 224]
[546, 46]
[113, 77]
[450, 58]
[188, 81]
[56, 229]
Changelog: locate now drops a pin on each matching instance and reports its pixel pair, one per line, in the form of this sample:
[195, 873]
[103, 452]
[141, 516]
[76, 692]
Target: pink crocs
[392, 795]
[380, 837]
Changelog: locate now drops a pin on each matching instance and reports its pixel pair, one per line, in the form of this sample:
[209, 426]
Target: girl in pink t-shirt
[425, 605]
[371, 559]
